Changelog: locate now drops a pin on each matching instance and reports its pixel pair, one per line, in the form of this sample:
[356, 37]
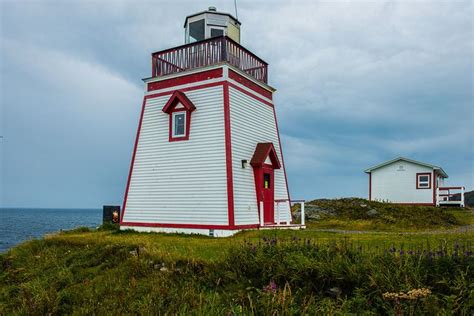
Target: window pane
[196, 31]
[179, 120]
[266, 181]
[423, 184]
[423, 178]
[216, 32]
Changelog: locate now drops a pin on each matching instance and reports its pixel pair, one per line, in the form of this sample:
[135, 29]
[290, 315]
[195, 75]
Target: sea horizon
[19, 224]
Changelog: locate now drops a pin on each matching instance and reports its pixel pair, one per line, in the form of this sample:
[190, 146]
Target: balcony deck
[446, 196]
[208, 52]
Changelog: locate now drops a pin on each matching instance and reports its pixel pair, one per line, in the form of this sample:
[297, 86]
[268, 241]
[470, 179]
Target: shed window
[423, 180]
[179, 124]
[196, 31]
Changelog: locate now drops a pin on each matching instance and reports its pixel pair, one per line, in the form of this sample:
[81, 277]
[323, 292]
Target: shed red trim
[370, 186]
[262, 151]
[418, 180]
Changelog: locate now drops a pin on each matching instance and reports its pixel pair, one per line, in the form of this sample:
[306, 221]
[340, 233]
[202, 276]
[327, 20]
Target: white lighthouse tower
[207, 156]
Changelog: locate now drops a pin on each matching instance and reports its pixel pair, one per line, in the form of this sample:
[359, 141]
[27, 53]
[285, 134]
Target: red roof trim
[176, 97]
[262, 151]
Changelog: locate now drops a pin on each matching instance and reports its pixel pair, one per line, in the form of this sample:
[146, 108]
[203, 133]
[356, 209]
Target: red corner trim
[370, 186]
[281, 154]
[250, 94]
[434, 187]
[228, 153]
[133, 159]
[418, 182]
[249, 84]
[201, 76]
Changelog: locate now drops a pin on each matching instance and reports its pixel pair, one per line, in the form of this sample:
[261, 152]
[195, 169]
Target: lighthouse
[207, 157]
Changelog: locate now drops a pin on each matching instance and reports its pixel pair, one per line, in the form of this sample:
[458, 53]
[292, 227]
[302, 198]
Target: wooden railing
[206, 53]
[446, 196]
[285, 218]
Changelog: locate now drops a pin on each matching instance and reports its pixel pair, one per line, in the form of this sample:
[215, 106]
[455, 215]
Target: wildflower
[271, 287]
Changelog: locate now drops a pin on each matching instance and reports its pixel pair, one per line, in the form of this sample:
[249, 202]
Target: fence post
[302, 213]
[462, 196]
[437, 196]
[261, 214]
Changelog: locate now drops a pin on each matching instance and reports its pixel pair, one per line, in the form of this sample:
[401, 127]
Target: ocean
[20, 224]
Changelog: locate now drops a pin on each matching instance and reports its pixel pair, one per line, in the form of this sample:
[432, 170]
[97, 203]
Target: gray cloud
[358, 83]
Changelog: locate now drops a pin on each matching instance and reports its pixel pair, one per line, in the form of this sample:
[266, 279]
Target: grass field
[255, 272]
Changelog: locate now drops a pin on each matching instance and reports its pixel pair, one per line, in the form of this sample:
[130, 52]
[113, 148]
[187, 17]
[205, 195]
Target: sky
[358, 83]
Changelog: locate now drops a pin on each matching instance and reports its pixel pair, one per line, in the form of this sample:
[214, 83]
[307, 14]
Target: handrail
[208, 52]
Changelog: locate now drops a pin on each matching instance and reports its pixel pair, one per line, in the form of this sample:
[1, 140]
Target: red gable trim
[176, 97]
[262, 151]
[200, 76]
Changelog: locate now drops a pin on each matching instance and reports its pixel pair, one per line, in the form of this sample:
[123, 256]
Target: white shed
[405, 181]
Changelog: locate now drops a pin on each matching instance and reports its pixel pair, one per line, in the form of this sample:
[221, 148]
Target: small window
[423, 181]
[179, 124]
[216, 32]
[266, 181]
[196, 31]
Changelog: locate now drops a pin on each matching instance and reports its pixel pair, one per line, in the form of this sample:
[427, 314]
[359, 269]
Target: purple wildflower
[271, 287]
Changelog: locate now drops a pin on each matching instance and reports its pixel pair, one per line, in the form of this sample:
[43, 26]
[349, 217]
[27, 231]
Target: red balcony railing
[206, 53]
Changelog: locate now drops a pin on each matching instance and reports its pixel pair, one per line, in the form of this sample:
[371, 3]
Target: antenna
[236, 14]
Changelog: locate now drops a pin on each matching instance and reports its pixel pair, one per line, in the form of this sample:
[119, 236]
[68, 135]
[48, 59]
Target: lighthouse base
[173, 230]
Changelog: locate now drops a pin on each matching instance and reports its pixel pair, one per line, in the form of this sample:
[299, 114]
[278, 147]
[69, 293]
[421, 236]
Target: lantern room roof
[211, 12]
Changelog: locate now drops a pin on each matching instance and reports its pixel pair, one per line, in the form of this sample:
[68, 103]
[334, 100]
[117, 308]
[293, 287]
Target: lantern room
[210, 23]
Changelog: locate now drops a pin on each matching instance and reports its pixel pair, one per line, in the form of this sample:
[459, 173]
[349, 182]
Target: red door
[268, 196]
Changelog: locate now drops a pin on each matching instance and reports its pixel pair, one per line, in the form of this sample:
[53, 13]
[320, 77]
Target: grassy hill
[360, 214]
[255, 272]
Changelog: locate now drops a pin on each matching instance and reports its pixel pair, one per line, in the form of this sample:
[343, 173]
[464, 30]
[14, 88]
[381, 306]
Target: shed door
[268, 196]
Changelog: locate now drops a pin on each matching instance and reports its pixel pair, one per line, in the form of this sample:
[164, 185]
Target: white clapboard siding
[181, 182]
[396, 182]
[252, 122]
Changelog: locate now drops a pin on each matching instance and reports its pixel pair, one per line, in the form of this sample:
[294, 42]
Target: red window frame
[186, 128]
[176, 98]
[418, 175]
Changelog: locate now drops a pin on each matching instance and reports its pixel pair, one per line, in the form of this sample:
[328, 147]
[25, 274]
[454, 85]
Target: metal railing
[445, 196]
[206, 53]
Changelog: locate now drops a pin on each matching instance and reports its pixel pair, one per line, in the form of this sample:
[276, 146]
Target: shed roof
[262, 151]
[442, 172]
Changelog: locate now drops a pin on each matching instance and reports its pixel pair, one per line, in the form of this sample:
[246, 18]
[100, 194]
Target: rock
[134, 253]
[372, 212]
[363, 205]
[164, 269]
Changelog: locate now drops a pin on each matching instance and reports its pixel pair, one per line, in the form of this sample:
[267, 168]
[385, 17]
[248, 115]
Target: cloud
[357, 83]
